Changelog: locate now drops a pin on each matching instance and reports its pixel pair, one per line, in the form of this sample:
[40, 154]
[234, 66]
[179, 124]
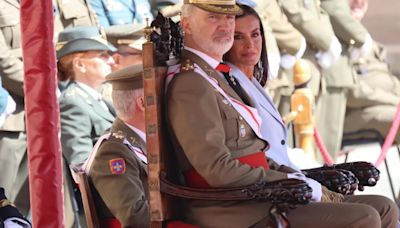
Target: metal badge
[242, 131]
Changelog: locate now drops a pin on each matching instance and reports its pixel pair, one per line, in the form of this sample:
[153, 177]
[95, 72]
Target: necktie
[225, 69]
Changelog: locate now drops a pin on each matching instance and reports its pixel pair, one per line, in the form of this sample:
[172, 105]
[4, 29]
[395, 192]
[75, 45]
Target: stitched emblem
[117, 166]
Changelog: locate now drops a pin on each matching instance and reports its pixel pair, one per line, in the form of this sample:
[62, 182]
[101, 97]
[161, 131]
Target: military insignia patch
[117, 166]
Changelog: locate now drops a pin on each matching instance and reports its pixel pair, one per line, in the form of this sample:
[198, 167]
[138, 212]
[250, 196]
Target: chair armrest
[288, 192]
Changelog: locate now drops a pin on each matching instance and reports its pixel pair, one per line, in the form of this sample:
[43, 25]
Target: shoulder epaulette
[118, 136]
[187, 65]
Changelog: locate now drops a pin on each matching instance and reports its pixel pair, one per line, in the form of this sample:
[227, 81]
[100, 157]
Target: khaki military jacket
[122, 195]
[73, 13]
[11, 66]
[208, 136]
[349, 32]
[311, 20]
[376, 84]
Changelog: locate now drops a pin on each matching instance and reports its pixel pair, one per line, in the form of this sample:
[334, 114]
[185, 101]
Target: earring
[258, 71]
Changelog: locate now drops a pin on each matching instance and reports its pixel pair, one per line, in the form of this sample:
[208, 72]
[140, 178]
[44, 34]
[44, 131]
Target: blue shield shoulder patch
[117, 166]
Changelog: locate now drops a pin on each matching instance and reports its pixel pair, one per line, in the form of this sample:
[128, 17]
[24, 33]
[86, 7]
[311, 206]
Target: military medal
[242, 131]
[232, 79]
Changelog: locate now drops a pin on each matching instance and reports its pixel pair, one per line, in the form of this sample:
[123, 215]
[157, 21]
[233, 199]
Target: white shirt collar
[138, 131]
[210, 60]
[92, 92]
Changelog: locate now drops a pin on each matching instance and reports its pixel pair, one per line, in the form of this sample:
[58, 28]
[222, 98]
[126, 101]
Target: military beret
[80, 39]
[127, 78]
[217, 6]
[127, 34]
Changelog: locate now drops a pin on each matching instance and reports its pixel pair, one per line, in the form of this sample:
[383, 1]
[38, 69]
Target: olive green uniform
[123, 195]
[340, 77]
[373, 101]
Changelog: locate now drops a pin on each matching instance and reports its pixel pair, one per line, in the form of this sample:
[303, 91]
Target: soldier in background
[119, 167]
[373, 101]
[13, 159]
[285, 45]
[128, 39]
[355, 41]
[322, 53]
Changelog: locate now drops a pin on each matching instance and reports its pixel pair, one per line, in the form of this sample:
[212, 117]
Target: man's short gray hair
[187, 10]
[122, 100]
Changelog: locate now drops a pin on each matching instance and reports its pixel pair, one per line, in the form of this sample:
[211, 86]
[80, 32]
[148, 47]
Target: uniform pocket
[231, 125]
[73, 10]
[10, 27]
[8, 20]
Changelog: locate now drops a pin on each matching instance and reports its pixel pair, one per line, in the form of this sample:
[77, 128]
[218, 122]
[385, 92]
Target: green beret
[217, 6]
[127, 78]
[80, 39]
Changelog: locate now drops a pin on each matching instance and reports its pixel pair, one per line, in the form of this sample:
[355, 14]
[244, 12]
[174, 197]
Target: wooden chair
[165, 188]
[89, 206]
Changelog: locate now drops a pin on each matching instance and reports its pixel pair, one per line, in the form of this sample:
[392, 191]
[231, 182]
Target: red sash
[112, 223]
[193, 178]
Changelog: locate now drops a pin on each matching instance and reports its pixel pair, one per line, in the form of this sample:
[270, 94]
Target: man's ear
[78, 64]
[185, 24]
[116, 57]
[140, 103]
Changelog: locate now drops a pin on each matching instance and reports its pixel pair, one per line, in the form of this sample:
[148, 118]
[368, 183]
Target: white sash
[249, 114]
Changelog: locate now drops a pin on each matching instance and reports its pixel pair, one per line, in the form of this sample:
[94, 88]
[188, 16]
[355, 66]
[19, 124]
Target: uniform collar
[92, 92]
[208, 59]
[141, 134]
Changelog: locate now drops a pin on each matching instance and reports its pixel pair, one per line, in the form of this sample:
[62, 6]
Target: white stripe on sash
[142, 156]
[88, 163]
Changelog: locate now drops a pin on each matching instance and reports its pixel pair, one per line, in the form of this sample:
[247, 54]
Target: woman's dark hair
[260, 70]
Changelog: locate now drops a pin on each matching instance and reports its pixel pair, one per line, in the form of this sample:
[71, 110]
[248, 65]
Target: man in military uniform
[13, 159]
[119, 167]
[372, 103]
[216, 136]
[128, 39]
[355, 40]
[330, 67]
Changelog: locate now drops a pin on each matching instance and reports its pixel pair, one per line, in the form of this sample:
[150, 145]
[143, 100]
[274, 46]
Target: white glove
[314, 185]
[15, 222]
[288, 60]
[327, 58]
[364, 51]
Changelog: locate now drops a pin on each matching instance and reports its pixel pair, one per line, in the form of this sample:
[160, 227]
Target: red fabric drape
[42, 113]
